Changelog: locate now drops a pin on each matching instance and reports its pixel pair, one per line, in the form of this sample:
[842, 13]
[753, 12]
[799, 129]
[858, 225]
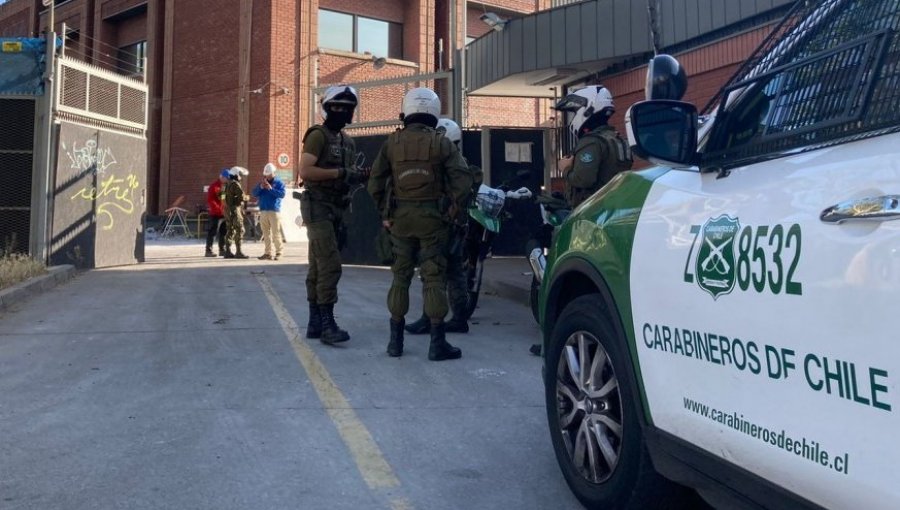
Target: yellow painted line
[375, 470]
[401, 504]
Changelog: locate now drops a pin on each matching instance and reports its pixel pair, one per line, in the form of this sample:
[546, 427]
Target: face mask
[337, 120]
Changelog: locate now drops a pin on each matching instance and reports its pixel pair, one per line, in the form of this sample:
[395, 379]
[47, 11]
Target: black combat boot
[440, 349]
[456, 325]
[314, 326]
[209, 252]
[228, 254]
[420, 327]
[395, 346]
[238, 254]
[331, 333]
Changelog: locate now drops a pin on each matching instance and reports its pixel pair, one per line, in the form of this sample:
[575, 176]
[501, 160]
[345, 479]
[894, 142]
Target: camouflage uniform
[234, 214]
[599, 156]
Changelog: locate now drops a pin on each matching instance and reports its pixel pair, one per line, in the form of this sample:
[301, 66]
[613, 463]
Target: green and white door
[769, 335]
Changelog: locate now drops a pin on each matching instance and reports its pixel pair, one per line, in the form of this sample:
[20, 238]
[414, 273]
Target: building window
[349, 32]
[132, 59]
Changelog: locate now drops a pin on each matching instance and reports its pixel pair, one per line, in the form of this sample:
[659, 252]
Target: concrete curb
[21, 292]
[517, 293]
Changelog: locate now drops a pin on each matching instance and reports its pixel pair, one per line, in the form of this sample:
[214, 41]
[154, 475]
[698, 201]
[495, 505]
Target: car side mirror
[664, 132]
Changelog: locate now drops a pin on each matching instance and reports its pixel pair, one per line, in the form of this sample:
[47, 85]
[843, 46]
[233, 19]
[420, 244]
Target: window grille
[830, 72]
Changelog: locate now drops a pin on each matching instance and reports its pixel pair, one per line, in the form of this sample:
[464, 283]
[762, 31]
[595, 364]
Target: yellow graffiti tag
[114, 193]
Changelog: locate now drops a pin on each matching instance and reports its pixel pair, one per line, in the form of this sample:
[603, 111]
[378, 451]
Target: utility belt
[422, 204]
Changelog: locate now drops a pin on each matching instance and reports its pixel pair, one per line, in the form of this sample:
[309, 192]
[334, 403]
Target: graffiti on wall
[112, 193]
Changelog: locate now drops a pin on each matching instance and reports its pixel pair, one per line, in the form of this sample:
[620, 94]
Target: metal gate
[16, 159]
[380, 100]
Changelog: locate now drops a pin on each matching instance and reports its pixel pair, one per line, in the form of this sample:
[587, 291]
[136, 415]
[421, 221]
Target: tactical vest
[618, 152]
[416, 167]
[339, 153]
[617, 158]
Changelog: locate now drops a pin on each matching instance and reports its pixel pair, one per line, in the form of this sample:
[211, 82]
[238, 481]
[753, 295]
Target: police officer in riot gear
[601, 152]
[421, 183]
[457, 293]
[327, 168]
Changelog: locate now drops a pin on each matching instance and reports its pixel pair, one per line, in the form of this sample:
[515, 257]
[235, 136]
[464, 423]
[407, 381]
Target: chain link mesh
[16, 157]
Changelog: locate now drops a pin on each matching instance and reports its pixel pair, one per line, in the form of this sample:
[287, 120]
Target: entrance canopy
[535, 53]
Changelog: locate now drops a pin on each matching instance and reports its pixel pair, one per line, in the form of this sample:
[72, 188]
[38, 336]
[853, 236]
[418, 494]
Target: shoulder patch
[586, 157]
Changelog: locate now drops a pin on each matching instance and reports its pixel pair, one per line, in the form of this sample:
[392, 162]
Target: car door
[765, 296]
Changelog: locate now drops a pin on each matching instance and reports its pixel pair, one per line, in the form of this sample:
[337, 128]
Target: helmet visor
[571, 103]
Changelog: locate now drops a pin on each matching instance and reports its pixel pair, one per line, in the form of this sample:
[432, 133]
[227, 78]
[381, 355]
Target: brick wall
[387, 10]
[17, 18]
[507, 111]
[204, 96]
[707, 67]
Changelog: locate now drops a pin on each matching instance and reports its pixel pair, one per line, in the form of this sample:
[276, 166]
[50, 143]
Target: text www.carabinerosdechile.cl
[805, 448]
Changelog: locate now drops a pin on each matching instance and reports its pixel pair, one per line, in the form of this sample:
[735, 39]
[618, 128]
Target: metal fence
[380, 100]
[96, 96]
[16, 163]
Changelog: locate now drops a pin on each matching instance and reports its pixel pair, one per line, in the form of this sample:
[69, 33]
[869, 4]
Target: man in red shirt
[216, 214]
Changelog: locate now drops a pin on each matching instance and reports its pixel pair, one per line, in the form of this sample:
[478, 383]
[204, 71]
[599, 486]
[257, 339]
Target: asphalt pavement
[185, 382]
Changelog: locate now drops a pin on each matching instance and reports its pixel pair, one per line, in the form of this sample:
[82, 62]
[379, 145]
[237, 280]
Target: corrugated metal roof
[557, 46]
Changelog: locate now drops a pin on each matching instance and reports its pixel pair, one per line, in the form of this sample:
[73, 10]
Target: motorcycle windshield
[492, 224]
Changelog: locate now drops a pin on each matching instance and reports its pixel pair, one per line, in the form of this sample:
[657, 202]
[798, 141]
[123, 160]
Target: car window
[833, 76]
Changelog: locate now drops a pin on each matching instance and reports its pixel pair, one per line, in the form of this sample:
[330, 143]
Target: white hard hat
[238, 170]
[585, 103]
[269, 169]
[422, 100]
[450, 129]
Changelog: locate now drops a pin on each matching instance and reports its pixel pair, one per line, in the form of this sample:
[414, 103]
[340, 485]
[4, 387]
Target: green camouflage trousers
[419, 235]
[234, 221]
[322, 221]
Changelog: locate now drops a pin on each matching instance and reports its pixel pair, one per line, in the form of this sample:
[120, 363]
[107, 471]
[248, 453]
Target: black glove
[353, 175]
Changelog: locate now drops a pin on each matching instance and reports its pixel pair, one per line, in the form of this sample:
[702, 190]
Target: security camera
[494, 21]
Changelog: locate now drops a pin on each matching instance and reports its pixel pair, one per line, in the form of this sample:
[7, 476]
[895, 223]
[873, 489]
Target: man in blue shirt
[269, 192]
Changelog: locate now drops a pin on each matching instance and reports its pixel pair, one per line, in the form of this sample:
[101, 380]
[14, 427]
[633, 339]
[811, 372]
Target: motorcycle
[485, 218]
[554, 211]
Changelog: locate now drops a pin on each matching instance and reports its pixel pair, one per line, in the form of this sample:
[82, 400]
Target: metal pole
[463, 111]
[42, 193]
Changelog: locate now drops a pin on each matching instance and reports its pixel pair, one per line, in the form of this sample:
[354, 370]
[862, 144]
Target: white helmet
[269, 170]
[422, 100]
[585, 103]
[237, 171]
[339, 95]
[450, 129]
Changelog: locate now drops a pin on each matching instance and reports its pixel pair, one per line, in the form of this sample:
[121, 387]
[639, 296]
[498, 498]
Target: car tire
[534, 299]
[629, 482]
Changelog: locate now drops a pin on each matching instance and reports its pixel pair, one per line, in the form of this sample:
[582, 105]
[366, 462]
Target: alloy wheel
[589, 407]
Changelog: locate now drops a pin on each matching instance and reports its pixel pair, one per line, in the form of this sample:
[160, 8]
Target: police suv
[729, 321]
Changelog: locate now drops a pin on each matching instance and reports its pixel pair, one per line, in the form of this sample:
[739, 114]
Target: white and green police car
[729, 321]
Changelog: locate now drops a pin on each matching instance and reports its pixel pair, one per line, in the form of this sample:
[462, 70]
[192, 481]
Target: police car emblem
[587, 157]
[716, 266]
